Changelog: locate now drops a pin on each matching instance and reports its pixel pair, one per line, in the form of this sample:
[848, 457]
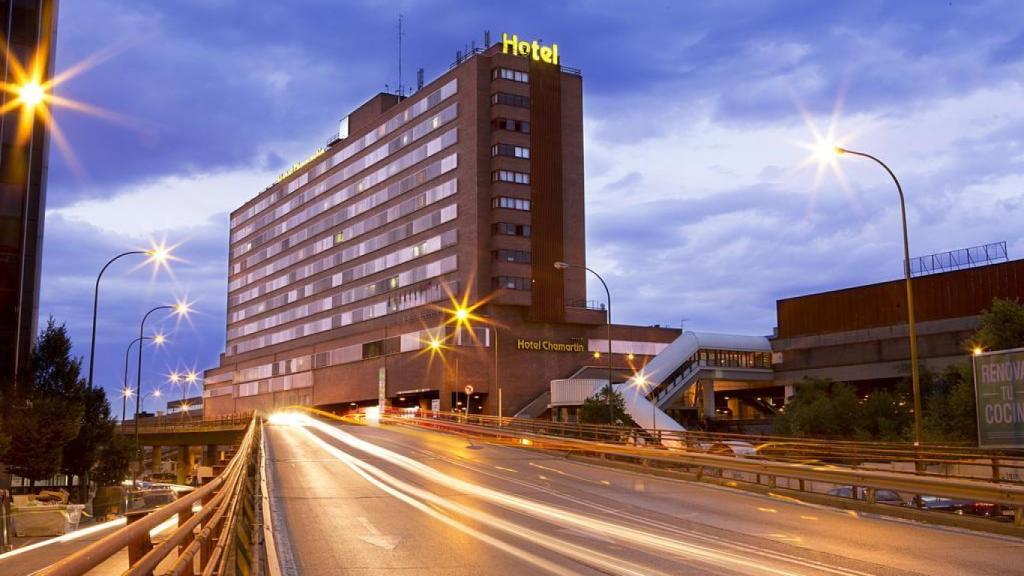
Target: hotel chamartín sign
[574, 345]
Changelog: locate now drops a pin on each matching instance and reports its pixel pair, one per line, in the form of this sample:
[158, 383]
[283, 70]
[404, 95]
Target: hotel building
[342, 272]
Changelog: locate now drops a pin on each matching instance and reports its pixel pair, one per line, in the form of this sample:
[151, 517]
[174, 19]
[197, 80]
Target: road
[365, 500]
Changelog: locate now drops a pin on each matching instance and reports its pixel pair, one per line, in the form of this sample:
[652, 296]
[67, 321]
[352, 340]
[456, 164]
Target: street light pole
[181, 309]
[915, 376]
[127, 387]
[608, 322]
[95, 307]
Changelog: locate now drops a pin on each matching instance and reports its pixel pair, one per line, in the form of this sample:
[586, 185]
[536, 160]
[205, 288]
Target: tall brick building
[343, 271]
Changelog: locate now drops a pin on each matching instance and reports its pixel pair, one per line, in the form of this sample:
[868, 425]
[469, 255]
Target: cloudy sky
[701, 207]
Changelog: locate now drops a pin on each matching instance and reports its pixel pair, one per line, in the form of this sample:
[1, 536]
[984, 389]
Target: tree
[1002, 326]
[96, 431]
[114, 460]
[595, 409]
[884, 415]
[820, 408]
[949, 405]
[47, 408]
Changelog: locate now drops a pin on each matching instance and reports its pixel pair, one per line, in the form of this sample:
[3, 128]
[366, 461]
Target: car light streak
[404, 492]
[82, 533]
[555, 515]
[661, 526]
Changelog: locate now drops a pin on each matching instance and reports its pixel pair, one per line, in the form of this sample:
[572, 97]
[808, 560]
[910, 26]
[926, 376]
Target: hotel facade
[345, 271]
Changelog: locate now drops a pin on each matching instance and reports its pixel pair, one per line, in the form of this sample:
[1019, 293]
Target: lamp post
[190, 378]
[126, 393]
[608, 321]
[159, 340]
[914, 374]
[157, 255]
[181, 309]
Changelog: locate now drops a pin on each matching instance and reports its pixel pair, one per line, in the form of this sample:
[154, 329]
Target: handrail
[1006, 494]
[225, 487]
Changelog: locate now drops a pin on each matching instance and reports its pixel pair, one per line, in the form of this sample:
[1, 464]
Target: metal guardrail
[218, 539]
[704, 463]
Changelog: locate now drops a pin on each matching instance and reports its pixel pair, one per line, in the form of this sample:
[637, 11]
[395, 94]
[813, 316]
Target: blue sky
[700, 207]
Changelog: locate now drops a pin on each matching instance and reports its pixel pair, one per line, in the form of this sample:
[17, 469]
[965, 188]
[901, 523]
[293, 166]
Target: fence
[217, 539]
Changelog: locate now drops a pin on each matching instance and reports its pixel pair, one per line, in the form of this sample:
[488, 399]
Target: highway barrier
[217, 532]
[707, 456]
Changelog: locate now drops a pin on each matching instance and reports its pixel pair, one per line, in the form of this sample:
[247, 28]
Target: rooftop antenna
[419, 79]
[487, 39]
[401, 89]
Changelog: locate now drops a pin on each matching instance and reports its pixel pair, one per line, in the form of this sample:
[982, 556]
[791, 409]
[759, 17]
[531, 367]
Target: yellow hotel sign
[512, 45]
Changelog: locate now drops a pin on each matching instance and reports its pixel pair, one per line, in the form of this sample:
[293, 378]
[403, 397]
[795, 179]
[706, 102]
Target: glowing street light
[31, 93]
[827, 151]
[608, 318]
[181, 308]
[158, 255]
[641, 383]
[159, 340]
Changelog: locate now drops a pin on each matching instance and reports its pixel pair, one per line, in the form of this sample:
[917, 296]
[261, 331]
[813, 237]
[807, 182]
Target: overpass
[195, 440]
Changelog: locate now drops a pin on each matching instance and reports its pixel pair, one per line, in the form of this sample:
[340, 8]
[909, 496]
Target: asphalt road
[395, 500]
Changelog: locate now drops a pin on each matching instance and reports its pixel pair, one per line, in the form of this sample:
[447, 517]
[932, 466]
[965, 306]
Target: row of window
[392, 236]
[325, 205]
[517, 256]
[342, 215]
[400, 300]
[510, 176]
[510, 203]
[509, 229]
[350, 150]
[511, 283]
[407, 160]
[510, 99]
[384, 262]
[510, 74]
[363, 163]
[510, 124]
[346, 297]
[735, 359]
[510, 150]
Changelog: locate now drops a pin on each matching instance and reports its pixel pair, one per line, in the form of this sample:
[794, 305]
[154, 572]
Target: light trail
[664, 526]
[404, 491]
[559, 516]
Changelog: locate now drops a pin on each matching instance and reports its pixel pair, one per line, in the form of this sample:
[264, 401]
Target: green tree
[820, 408]
[48, 406]
[95, 432]
[595, 409]
[949, 413]
[884, 415]
[114, 460]
[1002, 326]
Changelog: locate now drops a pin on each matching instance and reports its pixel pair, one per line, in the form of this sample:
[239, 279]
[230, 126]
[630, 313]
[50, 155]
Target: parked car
[882, 496]
[968, 507]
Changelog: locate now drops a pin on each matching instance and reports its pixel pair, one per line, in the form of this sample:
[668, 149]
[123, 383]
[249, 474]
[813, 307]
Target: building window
[510, 176]
[511, 283]
[517, 256]
[510, 150]
[510, 124]
[510, 99]
[508, 229]
[510, 74]
[510, 203]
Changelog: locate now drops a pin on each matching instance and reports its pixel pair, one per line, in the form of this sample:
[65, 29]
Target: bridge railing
[217, 539]
[939, 460]
[185, 424]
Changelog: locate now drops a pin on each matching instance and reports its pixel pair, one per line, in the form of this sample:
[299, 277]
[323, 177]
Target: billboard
[999, 392]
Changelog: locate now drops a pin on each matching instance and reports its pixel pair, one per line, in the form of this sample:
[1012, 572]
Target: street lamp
[154, 393]
[31, 93]
[608, 320]
[190, 378]
[914, 373]
[641, 383]
[126, 393]
[158, 340]
[158, 255]
[181, 309]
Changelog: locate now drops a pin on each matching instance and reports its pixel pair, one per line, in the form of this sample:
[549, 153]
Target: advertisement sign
[382, 388]
[435, 404]
[999, 392]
